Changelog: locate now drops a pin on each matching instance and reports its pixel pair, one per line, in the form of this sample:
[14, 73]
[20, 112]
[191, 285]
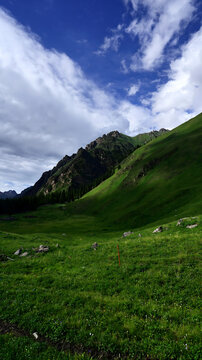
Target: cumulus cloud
[161, 22]
[47, 106]
[180, 98]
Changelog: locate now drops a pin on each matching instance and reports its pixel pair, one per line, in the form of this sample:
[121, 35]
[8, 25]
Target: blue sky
[73, 70]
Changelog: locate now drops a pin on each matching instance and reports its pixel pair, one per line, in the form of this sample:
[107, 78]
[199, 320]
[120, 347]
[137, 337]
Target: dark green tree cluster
[25, 203]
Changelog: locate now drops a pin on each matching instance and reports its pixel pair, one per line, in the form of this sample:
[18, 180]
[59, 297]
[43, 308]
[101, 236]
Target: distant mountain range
[88, 167]
[10, 194]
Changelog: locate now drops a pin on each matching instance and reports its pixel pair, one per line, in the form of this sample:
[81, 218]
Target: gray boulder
[43, 248]
[180, 221]
[18, 252]
[157, 230]
[191, 226]
[127, 233]
[24, 254]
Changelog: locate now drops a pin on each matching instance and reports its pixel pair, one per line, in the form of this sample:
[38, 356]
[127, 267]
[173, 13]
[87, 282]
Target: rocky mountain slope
[82, 171]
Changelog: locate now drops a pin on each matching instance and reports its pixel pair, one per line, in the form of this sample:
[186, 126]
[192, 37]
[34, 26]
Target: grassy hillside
[80, 299]
[81, 303]
[161, 180]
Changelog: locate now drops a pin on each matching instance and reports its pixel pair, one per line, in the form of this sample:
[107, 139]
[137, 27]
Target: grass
[147, 308]
[79, 299]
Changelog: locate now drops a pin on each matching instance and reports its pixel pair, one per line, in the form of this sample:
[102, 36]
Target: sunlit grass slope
[158, 181]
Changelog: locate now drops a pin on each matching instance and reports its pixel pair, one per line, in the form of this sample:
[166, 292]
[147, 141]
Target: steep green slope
[160, 180]
[142, 139]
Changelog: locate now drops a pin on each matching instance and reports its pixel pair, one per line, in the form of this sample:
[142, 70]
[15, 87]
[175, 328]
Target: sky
[72, 70]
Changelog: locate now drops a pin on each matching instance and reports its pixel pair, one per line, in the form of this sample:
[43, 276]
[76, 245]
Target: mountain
[82, 171]
[10, 194]
[160, 180]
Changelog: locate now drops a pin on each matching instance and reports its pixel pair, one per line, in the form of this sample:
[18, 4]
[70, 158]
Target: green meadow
[78, 300]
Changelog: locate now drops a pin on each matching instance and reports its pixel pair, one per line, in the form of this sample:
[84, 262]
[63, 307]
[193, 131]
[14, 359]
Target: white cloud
[133, 90]
[111, 42]
[160, 24]
[124, 67]
[48, 108]
[180, 98]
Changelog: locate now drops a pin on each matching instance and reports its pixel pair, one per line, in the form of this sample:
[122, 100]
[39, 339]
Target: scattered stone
[24, 254]
[95, 245]
[191, 226]
[18, 252]
[10, 258]
[127, 233]
[140, 235]
[180, 221]
[159, 229]
[42, 248]
[35, 335]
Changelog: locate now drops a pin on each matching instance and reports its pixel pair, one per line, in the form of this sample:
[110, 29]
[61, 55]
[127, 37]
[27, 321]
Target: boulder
[127, 233]
[191, 226]
[43, 248]
[157, 230]
[180, 221]
[24, 254]
[18, 252]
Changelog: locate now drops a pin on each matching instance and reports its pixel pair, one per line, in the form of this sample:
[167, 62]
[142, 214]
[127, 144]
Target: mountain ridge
[10, 194]
[82, 171]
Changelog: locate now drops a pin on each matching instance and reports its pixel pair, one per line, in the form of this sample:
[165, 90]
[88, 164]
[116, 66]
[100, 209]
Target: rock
[127, 233]
[140, 235]
[95, 245]
[57, 245]
[43, 248]
[10, 258]
[64, 234]
[191, 226]
[35, 335]
[24, 254]
[180, 221]
[157, 230]
[18, 252]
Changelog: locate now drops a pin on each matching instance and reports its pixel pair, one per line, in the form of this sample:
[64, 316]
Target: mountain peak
[10, 194]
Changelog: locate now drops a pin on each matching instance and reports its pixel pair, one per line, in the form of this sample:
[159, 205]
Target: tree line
[31, 203]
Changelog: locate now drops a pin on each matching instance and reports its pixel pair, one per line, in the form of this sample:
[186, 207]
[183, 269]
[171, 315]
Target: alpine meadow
[70, 299]
[100, 179]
